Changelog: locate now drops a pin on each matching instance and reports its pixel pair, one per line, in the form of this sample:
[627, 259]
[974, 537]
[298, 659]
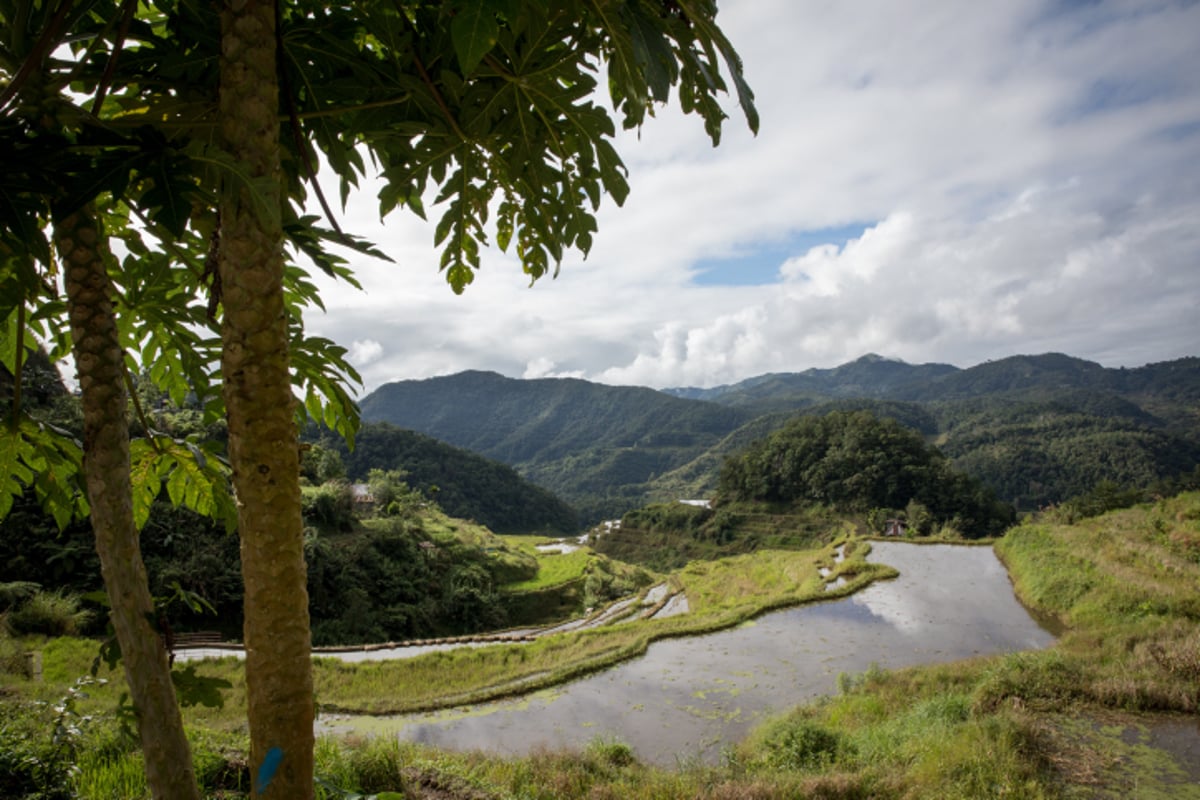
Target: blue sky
[758, 264]
[931, 182]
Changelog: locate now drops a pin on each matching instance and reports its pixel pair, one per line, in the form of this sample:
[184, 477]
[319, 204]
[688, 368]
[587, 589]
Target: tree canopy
[168, 150]
[853, 461]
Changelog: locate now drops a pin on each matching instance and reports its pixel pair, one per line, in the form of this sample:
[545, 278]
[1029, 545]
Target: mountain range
[1037, 428]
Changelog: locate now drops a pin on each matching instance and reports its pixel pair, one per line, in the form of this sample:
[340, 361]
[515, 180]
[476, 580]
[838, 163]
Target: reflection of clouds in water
[692, 695]
[889, 610]
[976, 594]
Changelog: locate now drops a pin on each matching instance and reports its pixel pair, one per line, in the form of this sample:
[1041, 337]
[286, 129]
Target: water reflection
[689, 698]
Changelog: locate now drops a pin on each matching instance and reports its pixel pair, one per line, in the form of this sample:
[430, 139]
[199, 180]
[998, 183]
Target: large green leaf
[35, 456]
[475, 32]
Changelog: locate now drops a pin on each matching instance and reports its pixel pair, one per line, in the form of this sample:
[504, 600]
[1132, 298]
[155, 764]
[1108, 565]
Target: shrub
[806, 745]
[12, 654]
[50, 614]
[610, 752]
[330, 505]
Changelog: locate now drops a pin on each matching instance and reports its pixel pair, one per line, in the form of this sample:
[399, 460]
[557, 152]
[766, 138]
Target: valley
[462, 651]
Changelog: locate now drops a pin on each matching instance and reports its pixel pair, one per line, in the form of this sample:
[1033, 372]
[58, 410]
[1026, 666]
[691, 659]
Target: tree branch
[44, 45]
[127, 10]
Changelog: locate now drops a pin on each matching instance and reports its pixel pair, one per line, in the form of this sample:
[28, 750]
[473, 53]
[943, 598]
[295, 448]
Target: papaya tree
[214, 123]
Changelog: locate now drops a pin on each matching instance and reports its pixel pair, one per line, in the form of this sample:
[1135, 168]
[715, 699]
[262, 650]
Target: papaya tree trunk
[263, 448]
[99, 362]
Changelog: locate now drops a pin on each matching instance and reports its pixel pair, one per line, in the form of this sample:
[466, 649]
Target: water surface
[690, 698]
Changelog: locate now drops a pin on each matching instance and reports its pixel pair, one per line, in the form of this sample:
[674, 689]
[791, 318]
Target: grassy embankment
[1047, 724]
[721, 594]
[1068, 722]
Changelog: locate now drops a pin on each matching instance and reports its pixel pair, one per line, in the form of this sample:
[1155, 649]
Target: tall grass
[55, 613]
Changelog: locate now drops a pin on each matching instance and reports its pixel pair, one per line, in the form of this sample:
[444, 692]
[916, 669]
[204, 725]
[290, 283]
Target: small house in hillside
[363, 499]
[894, 527]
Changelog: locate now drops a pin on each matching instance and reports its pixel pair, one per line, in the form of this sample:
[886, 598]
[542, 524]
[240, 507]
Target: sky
[933, 181]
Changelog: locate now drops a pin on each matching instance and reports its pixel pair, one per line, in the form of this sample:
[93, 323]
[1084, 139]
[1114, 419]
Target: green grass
[555, 569]
[1059, 723]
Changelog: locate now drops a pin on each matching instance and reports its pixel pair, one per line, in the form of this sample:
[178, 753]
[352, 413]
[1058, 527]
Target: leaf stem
[18, 370]
[138, 410]
[127, 10]
[43, 46]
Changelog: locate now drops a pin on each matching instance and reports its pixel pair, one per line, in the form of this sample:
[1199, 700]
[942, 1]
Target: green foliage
[806, 745]
[391, 493]
[35, 456]
[469, 598]
[49, 613]
[32, 766]
[668, 517]
[399, 578]
[33, 548]
[1039, 453]
[330, 506]
[855, 462]
[319, 464]
[464, 484]
[193, 475]
[367, 582]
[14, 593]
[667, 537]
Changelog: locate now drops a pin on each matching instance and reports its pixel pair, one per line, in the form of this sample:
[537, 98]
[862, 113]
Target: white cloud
[1025, 172]
[542, 367]
[364, 351]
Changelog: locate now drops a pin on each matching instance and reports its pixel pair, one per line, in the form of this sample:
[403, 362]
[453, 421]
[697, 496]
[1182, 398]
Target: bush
[330, 505]
[50, 614]
[806, 745]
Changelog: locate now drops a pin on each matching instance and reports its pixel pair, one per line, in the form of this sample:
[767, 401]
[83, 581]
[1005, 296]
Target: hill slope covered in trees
[1036, 429]
[465, 484]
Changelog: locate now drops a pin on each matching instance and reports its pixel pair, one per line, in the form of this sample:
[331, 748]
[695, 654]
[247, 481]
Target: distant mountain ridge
[514, 420]
[869, 376]
[874, 376]
[606, 448]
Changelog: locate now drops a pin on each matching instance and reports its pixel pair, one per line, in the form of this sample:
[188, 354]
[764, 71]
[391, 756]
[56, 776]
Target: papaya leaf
[34, 456]
[474, 32]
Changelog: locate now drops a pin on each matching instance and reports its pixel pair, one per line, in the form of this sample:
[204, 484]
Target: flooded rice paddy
[689, 699]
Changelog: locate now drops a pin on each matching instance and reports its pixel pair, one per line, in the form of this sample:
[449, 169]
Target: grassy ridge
[722, 594]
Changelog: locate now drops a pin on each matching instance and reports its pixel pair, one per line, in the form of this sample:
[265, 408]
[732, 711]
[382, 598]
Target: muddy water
[690, 698]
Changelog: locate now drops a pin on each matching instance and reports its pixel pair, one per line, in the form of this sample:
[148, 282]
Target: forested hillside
[1169, 390]
[815, 478]
[871, 376]
[1036, 429]
[465, 484]
[596, 446]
